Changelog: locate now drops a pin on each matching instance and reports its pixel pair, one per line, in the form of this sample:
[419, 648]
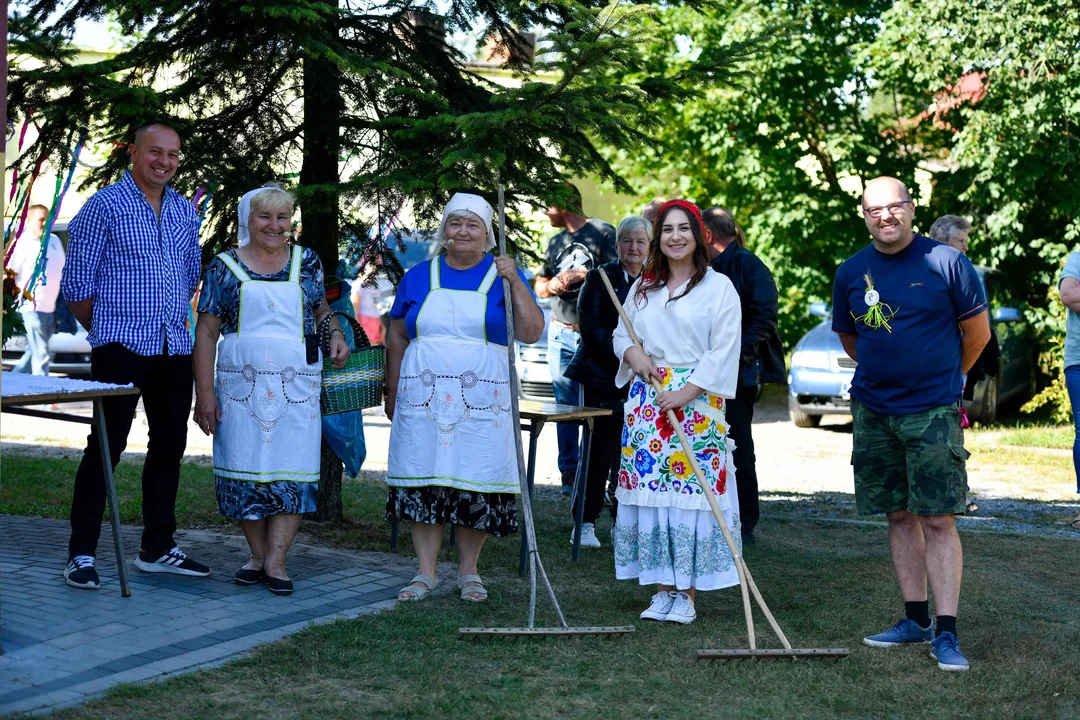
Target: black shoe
[748, 538]
[277, 585]
[248, 577]
[174, 561]
[80, 573]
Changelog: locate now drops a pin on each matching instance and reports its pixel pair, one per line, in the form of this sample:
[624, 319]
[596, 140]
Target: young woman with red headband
[689, 320]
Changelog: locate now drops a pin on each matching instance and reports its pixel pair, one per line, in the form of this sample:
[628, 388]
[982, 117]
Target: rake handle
[746, 581]
[526, 501]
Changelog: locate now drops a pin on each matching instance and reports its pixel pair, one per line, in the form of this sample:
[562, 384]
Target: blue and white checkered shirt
[141, 273]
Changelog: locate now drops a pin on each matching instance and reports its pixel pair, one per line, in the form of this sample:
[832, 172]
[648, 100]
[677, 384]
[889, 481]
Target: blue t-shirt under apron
[416, 285]
[929, 288]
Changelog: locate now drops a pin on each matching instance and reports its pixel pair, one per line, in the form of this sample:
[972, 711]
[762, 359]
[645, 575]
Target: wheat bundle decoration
[536, 566]
[746, 581]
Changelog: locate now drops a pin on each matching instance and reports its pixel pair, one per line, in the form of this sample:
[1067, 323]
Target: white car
[69, 354]
[534, 376]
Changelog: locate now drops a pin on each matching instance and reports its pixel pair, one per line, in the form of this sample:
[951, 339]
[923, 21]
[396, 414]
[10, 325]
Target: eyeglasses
[893, 209]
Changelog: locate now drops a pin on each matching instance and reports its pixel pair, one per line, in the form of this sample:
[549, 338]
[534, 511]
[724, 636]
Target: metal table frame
[14, 405]
[539, 414]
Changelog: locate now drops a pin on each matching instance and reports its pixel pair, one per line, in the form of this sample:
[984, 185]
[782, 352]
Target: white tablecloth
[14, 384]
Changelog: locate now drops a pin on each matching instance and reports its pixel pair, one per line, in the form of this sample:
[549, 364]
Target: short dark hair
[719, 222]
[575, 198]
[141, 130]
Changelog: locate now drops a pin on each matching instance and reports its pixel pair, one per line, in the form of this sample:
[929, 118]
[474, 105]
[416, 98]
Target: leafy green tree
[367, 101]
[1000, 84]
[787, 148]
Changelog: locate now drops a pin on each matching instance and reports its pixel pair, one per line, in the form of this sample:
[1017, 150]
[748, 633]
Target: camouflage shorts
[911, 462]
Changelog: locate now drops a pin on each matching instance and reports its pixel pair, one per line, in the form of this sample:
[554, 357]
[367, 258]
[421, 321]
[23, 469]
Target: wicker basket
[360, 383]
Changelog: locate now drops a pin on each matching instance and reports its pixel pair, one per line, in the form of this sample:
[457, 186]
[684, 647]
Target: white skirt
[674, 546]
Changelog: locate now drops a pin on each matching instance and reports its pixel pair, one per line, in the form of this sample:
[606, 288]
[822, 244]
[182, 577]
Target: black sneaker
[80, 573]
[174, 561]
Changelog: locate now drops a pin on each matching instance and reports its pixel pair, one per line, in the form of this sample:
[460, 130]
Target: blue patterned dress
[220, 296]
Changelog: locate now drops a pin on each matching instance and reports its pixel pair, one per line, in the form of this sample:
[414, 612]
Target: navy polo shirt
[927, 288]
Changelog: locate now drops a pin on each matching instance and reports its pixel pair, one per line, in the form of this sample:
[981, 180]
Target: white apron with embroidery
[452, 422]
[271, 425]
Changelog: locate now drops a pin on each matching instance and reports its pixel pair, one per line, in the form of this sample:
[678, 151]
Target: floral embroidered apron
[452, 422]
[271, 425]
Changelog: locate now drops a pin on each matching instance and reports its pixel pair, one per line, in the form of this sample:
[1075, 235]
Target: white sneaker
[661, 605]
[682, 609]
[588, 536]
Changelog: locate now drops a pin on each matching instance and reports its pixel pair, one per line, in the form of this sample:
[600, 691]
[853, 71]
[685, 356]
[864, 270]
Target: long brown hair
[657, 271]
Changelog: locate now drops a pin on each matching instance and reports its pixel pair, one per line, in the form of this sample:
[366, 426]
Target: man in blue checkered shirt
[132, 269]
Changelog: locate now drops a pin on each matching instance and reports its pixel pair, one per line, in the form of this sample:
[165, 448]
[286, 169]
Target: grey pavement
[63, 646]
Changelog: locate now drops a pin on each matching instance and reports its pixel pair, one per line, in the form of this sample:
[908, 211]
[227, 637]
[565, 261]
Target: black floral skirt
[242, 500]
[495, 513]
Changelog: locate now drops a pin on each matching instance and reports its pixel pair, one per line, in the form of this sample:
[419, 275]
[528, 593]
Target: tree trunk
[319, 208]
[330, 470]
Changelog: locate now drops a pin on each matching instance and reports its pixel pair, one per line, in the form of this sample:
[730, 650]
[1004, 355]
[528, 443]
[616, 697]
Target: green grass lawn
[1058, 437]
[828, 585]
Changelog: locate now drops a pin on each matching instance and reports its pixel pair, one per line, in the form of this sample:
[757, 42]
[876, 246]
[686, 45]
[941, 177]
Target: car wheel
[989, 402]
[805, 420]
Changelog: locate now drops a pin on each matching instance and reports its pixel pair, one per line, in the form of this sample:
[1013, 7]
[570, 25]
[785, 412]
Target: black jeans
[606, 442]
[166, 382]
[740, 416]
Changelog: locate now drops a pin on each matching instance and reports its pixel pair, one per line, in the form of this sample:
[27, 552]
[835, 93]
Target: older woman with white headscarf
[452, 457]
[265, 296]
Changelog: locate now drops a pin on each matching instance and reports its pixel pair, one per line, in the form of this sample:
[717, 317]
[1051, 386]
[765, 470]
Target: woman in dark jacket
[594, 364]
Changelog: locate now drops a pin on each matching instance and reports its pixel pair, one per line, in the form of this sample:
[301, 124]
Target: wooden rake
[536, 566]
[746, 581]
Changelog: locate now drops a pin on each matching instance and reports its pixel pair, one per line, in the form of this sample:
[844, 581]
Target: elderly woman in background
[594, 364]
[264, 297]
[452, 457]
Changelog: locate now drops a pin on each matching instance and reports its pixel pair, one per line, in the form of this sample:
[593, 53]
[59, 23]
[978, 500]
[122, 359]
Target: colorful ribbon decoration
[58, 199]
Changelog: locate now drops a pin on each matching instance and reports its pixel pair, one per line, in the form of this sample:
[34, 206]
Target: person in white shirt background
[689, 319]
[37, 314]
[365, 300]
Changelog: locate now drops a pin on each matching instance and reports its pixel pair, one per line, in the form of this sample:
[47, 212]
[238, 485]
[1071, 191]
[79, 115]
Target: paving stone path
[63, 646]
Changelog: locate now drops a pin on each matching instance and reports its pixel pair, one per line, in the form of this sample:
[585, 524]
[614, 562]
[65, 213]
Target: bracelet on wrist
[337, 330]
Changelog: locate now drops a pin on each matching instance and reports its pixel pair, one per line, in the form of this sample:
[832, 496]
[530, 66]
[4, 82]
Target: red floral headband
[689, 207]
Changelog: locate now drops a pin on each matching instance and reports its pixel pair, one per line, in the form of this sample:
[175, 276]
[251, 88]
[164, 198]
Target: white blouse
[701, 330]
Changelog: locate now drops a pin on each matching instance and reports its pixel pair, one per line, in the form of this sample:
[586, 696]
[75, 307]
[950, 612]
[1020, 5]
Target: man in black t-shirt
[582, 244]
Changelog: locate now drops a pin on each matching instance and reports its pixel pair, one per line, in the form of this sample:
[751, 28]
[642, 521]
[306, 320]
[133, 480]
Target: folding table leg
[580, 485]
[110, 493]
[535, 426]
[394, 531]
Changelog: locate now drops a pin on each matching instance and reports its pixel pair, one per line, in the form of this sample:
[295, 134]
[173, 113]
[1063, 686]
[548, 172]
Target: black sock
[919, 612]
[945, 623]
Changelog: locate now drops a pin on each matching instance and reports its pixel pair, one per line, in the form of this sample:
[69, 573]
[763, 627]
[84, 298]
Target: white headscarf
[472, 203]
[243, 214]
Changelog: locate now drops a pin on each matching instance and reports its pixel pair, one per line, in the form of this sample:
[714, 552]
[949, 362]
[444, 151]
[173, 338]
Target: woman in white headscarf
[452, 457]
[264, 297]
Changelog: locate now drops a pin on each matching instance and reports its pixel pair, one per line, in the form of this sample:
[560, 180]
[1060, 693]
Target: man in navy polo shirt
[912, 312]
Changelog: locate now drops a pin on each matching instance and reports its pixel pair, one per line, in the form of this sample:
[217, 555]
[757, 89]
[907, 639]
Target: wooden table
[538, 414]
[18, 390]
